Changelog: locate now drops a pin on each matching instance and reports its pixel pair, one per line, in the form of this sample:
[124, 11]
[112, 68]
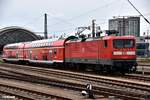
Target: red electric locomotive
[109, 54]
[103, 54]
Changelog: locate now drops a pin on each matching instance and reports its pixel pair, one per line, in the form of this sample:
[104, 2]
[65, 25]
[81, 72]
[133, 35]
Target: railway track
[125, 89]
[143, 64]
[17, 92]
[140, 77]
[29, 91]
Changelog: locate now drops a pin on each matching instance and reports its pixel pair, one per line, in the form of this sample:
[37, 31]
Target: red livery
[103, 54]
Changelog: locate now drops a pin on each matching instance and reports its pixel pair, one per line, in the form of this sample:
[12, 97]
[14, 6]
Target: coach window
[30, 54]
[45, 56]
[55, 51]
[105, 44]
[50, 54]
[17, 54]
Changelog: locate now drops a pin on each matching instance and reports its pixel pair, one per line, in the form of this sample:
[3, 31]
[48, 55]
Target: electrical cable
[139, 12]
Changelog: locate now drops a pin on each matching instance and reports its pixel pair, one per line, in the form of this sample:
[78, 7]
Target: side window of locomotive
[105, 44]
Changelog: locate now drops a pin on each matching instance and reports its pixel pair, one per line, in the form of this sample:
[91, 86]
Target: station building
[15, 34]
[125, 25]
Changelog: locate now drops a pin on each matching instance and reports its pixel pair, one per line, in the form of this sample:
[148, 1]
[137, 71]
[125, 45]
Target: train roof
[119, 37]
[14, 46]
[100, 38]
[45, 43]
[40, 43]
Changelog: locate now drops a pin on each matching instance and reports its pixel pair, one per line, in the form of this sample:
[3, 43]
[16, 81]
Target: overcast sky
[66, 15]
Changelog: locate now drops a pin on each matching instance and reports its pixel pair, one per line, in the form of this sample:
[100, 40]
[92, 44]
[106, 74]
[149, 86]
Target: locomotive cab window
[105, 44]
[123, 43]
[128, 43]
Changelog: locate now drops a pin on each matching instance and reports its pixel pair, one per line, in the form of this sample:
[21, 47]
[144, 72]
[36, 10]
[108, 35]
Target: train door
[55, 53]
[98, 52]
[50, 55]
[97, 55]
[17, 54]
[103, 50]
[66, 52]
[24, 53]
[30, 54]
[44, 55]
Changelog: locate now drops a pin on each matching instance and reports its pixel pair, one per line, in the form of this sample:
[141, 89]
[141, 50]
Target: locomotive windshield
[123, 43]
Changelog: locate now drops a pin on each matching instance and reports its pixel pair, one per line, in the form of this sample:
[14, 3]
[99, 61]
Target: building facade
[125, 25]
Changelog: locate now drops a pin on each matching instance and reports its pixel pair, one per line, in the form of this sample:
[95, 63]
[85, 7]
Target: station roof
[15, 34]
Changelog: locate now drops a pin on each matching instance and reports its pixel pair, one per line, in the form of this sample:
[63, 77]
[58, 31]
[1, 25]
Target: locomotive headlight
[117, 53]
[130, 52]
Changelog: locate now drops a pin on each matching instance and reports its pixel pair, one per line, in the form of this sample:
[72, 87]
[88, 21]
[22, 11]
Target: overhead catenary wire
[83, 14]
[90, 11]
[34, 20]
[139, 12]
[68, 22]
[61, 20]
[78, 16]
